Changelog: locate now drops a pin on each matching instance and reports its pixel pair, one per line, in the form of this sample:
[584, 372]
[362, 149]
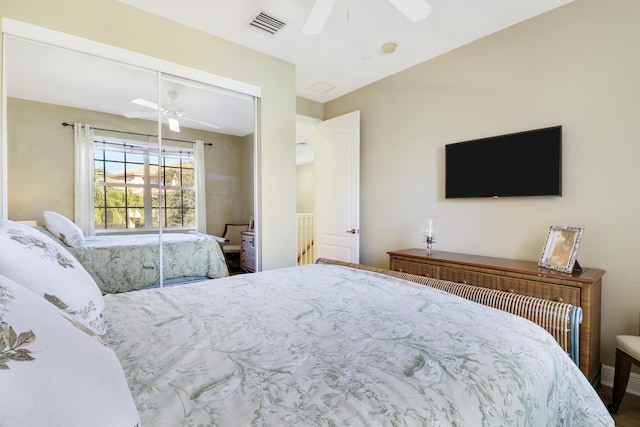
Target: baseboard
[634, 380]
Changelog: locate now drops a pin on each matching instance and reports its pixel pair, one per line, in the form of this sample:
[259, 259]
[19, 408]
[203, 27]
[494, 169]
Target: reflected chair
[627, 353]
[231, 244]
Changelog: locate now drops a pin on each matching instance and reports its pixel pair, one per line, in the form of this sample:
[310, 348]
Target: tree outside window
[128, 180]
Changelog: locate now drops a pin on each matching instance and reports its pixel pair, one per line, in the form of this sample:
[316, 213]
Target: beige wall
[579, 67]
[116, 24]
[305, 188]
[40, 162]
[309, 108]
[304, 173]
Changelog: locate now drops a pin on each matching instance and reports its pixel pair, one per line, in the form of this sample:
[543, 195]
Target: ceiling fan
[173, 112]
[414, 10]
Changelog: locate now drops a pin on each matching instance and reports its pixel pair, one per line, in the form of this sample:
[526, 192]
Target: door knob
[352, 231]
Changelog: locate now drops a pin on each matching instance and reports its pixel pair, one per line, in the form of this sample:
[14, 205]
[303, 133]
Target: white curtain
[201, 197]
[83, 175]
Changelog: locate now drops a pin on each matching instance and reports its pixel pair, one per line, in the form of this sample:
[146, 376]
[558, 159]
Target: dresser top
[516, 266]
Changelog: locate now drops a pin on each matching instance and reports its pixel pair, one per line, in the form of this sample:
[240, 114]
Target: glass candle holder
[428, 233]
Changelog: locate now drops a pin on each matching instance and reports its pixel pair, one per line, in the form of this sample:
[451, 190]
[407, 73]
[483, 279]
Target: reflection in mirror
[143, 128]
[124, 175]
[47, 86]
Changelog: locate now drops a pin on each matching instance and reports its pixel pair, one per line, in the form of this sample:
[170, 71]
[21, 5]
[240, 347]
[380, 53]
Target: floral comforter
[123, 263]
[324, 345]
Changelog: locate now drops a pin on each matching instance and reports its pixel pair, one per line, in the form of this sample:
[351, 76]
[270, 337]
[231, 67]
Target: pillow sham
[54, 374]
[47, 268]
[63, 228]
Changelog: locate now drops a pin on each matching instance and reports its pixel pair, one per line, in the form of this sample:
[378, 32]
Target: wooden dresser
[582, 289]
[248, 251]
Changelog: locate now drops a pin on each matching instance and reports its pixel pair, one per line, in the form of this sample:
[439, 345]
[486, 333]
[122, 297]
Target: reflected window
[138, 187]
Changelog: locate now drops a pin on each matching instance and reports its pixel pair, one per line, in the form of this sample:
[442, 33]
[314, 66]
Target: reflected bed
[121, 263]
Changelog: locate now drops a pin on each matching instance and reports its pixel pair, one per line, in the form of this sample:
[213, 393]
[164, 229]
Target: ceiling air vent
[267, 23]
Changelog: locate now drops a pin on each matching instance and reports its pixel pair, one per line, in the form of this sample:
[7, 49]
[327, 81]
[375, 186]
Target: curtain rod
[138, 134]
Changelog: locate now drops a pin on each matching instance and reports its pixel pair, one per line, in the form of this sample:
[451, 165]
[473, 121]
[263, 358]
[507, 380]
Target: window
[138, 187]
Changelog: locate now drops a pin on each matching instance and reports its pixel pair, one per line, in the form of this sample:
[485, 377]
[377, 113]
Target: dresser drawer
[248, 251]
[468, 277]
[417, 268]
[248, 242]
[548, 291]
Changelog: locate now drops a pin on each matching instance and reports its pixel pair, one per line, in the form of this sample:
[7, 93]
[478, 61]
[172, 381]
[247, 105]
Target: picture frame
[561, 248]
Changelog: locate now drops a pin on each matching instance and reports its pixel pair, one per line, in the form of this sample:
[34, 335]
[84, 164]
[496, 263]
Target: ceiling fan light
[318, 16]
[414, 10]
[174, 125]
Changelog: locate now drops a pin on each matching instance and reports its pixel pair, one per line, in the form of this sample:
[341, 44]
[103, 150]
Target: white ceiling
[44, 73]
[347, 54]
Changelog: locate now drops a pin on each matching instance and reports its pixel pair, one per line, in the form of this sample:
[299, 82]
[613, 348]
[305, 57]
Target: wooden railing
[306, 232]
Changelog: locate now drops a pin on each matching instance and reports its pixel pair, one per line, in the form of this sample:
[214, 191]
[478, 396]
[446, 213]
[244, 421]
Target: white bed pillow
[54, 374]
[63, 228]
[41, 264]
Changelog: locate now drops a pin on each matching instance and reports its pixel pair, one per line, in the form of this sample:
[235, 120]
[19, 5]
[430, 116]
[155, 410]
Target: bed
[323, 344]
[332, 345]
[126, 262]
[123, 263]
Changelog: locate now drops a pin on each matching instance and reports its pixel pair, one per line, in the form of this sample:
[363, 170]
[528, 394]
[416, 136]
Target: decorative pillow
[63, 228]
[44, 266]
[54, 374]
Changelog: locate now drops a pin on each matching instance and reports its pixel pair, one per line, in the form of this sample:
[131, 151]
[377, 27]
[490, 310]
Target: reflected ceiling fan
[173, 112]
[414, 10]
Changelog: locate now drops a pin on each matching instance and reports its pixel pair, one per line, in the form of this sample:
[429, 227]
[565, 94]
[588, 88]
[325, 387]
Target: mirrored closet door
[122, 150]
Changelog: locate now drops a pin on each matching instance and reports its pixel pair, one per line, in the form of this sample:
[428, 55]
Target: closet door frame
[17, 29]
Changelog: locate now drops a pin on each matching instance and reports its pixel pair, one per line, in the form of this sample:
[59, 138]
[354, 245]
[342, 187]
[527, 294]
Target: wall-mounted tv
[523, 164]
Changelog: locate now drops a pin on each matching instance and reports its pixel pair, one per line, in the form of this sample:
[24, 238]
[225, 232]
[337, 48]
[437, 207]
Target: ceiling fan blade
[145, 103]
[318, 16]
[202, 123]
[139, 114]
[414, 10]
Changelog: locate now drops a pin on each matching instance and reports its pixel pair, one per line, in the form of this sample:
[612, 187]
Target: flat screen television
[523, 164]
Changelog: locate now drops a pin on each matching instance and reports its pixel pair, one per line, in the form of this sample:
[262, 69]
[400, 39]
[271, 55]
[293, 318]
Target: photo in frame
[561, 248]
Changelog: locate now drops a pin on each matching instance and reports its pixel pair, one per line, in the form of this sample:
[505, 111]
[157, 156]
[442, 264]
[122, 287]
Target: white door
[337, 179]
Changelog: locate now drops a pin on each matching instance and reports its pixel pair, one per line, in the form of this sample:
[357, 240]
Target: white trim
[56, 38]
[607, 379]
[4, 164]
[257, 182]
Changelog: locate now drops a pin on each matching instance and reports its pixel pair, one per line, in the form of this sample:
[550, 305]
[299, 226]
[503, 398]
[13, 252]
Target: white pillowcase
[54, 374]
[43, 265]
[63, 228]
